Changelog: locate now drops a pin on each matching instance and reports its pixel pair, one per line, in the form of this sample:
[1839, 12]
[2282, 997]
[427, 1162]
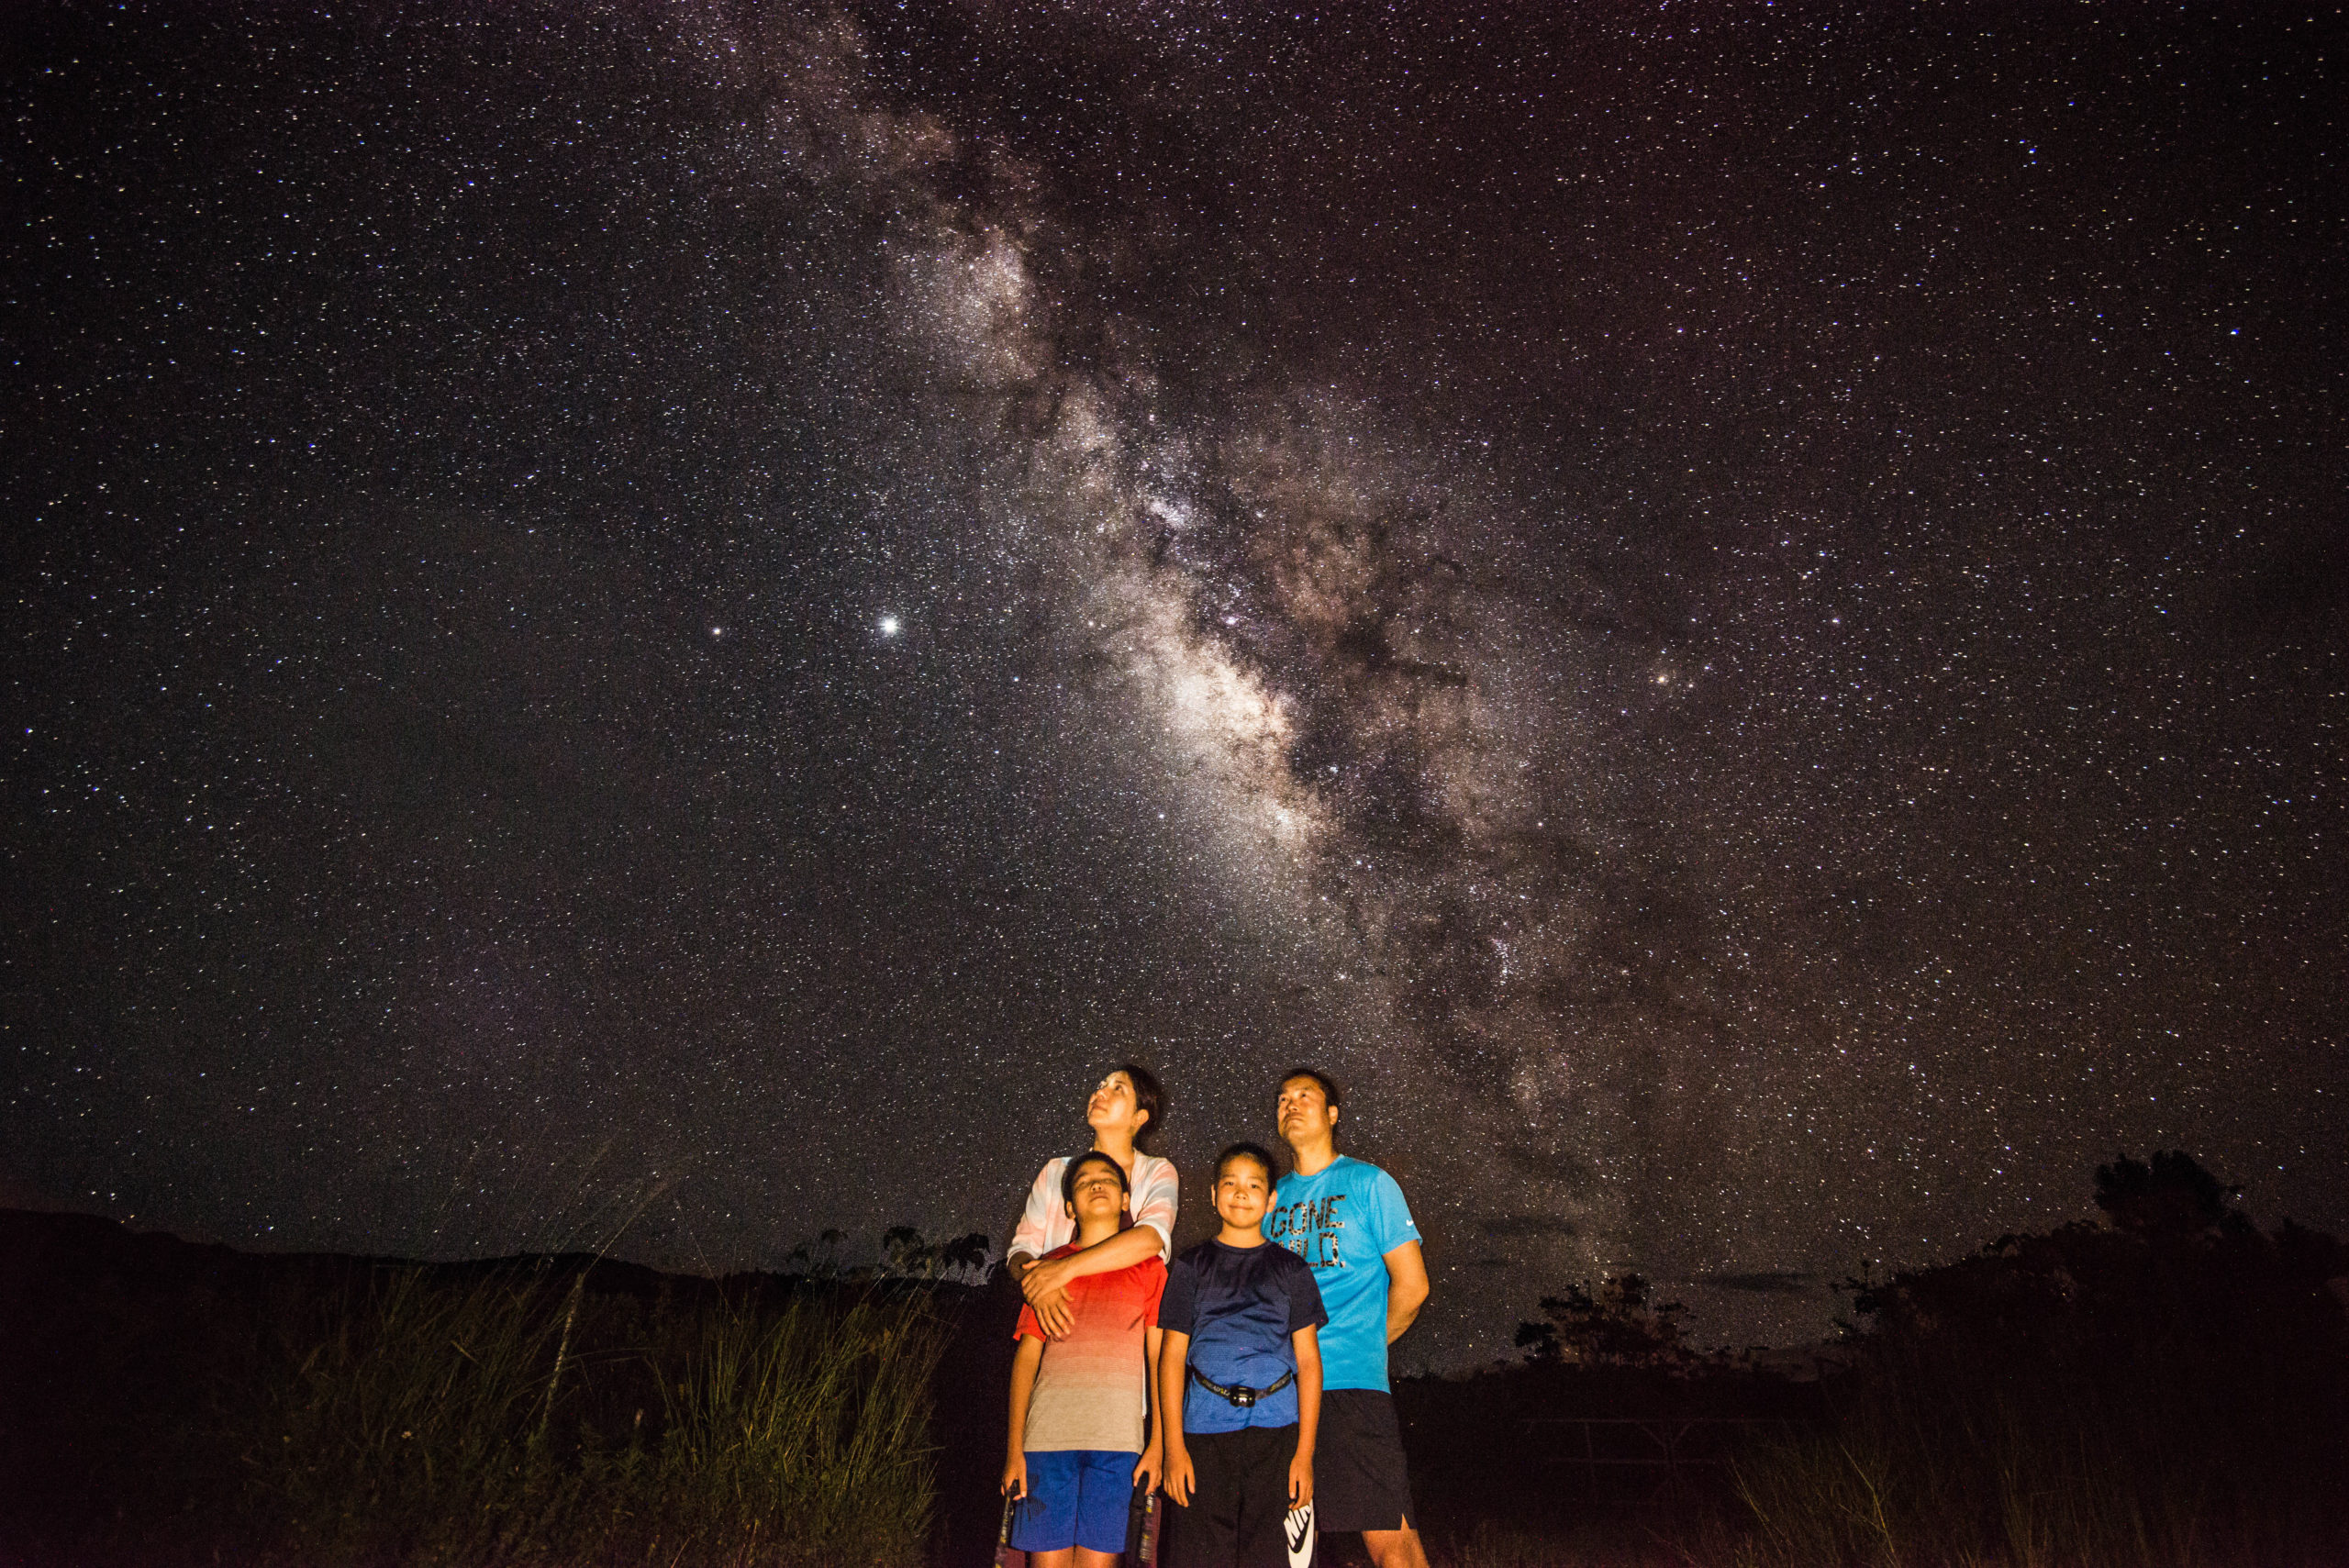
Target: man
[1349, 1222]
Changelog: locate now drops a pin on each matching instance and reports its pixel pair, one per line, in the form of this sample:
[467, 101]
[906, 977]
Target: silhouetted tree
[903, 1246]
[909, 1255]
[2175, 1371]
[2173, 1197]
[903, 1255]
[968, 1253]
[1613, 1325]
[819, 1259]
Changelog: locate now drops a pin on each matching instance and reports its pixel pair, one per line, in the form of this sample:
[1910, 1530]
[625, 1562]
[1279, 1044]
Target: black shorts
[1359, 1479]
[1236, 1516]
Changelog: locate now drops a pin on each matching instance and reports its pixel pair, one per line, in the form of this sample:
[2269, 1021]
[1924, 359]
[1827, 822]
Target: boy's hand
[1180, 1480]
[1154, 1463]
[1300, 1480]
[1014, 1476]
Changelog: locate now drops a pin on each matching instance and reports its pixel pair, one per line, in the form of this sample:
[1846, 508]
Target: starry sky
[669, 625]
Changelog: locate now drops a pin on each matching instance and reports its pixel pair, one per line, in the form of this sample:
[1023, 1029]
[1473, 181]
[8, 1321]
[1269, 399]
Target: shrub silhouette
[540, 1409]
[2172, 1197]
[2165, 1388]
[1613, 1325]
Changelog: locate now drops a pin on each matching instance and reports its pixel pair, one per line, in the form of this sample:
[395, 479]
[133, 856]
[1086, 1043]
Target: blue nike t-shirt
[1343, 1221]
[1240, 1305]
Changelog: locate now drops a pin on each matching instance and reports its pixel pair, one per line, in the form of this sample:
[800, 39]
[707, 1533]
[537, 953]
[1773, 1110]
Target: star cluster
[672, 623]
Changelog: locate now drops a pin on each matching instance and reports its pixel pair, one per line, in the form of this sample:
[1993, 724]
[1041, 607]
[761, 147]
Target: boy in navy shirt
[1241, 1360]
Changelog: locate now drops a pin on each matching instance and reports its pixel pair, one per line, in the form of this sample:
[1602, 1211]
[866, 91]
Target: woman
[1123, 1113]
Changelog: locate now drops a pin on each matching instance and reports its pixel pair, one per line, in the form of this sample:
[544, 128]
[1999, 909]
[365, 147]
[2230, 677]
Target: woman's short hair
[1148, 1097]
[1092, 1156]
[1256, 1151]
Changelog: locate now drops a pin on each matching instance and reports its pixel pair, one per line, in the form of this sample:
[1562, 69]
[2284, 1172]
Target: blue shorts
[1076, 1496]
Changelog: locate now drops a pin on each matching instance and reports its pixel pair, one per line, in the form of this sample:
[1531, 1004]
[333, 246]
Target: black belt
[1243, 1397]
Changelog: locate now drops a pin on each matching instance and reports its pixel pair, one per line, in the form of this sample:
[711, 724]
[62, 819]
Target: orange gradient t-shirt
[1092, 1387]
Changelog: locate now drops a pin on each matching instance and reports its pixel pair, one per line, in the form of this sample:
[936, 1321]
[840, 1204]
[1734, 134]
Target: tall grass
[1970, 1497]
[1490, 1544]
[798, 1434]
[402, 1429]
[514, 1418]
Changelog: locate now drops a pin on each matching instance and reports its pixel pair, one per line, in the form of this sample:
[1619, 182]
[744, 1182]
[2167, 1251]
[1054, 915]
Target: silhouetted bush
[473, 1421]
[2166, 1389]
[1615, 1324]
[169, 1402]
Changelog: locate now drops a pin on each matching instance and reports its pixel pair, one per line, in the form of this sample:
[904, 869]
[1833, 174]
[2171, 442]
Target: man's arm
[1406, 1288]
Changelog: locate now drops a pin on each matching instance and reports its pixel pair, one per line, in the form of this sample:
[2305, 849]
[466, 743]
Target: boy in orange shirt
[1084, 1431]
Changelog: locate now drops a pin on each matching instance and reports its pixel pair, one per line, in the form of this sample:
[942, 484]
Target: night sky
[677, 623]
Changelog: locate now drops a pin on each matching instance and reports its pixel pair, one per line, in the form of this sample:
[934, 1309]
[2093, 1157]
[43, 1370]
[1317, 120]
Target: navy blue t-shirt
[1240, 1305]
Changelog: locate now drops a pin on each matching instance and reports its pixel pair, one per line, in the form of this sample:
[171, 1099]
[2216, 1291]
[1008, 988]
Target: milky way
[675, 623]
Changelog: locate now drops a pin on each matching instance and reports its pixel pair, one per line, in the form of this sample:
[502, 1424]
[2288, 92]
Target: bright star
[889, 626]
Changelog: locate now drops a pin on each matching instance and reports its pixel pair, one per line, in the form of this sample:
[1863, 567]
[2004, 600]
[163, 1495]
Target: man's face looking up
[1304, 1112]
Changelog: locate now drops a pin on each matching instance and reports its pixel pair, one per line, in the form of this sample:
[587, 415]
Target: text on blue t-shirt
[1343, 1221]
